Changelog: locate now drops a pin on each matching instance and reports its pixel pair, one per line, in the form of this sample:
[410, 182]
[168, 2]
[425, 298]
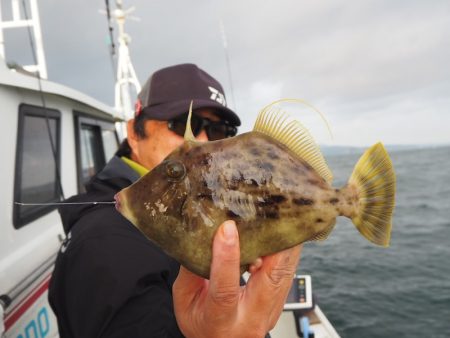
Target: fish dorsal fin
[295, 136]
[188, 135]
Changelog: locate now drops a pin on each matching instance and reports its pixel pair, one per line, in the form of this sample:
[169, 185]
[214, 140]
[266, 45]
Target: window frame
[25, 110]
[81, 119]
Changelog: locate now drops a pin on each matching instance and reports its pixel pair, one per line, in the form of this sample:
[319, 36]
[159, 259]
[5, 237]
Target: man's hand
[220, 307]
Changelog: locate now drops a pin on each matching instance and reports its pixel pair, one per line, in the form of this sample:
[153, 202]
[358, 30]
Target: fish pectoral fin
[195, 215]
[291, 133]
[323, 235]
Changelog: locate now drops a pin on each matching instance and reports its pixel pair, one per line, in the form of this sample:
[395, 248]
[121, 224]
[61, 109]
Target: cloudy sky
[377, 69]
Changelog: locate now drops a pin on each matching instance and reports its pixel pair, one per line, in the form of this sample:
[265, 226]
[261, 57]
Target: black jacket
[109, 280]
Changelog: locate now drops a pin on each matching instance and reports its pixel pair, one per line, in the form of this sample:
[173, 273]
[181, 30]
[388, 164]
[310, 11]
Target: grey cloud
[349, 58]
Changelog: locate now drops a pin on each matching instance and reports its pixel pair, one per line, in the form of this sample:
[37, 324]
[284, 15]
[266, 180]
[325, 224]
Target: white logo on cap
[217, 96]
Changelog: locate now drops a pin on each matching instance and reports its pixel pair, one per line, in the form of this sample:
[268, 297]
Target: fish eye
[175, 170]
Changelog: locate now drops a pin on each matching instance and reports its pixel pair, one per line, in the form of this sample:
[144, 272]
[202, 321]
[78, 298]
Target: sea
[402, 290]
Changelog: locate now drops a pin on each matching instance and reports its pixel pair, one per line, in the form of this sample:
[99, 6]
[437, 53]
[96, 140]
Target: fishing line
[64, 203]
[227, 59]
[83, 203]
[112, 50]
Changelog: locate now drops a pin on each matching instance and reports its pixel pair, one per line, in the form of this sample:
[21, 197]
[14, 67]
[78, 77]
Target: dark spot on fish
[277, 198]
[204, 196]
[271, 200]
[273, 155]
[227, 156]
[266, 166]
[204, 161]
[231, 214]
[319, 220]
[235, 181]
[336, 190]
[334, 201]
[255, 152]
[272, 213]
[288, 182]
[303, 201]
[313, 181]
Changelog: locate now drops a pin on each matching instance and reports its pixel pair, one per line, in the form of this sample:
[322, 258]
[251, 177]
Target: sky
[378, 70]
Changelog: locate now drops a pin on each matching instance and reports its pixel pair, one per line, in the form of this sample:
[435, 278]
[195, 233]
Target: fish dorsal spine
[188, 134]
[279, 126]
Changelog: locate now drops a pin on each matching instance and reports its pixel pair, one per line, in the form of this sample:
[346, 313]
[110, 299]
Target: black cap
[169, 91]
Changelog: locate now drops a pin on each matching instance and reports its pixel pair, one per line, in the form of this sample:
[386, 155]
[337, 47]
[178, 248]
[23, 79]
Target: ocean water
[400, 291]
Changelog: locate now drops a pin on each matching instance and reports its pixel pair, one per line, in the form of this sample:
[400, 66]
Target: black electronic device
[300, 294]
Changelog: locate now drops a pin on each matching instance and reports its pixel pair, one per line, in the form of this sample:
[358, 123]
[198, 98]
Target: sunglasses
[215, 130]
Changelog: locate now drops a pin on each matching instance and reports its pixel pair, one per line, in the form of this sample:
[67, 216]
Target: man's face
[160, 141]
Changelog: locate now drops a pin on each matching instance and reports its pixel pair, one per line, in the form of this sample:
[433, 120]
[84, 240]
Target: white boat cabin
[54, 139]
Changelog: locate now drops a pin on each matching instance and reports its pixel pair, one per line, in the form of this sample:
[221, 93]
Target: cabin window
[92, 158]
[110, 143]
[37, 163]
[96, 144]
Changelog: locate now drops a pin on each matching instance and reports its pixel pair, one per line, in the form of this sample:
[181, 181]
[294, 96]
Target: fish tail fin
[374, 181]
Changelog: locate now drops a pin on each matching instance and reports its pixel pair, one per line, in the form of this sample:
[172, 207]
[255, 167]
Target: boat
[301, 316]
[54, 140]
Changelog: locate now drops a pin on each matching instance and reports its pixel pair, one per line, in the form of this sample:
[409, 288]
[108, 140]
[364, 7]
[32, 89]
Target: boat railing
[22, 19]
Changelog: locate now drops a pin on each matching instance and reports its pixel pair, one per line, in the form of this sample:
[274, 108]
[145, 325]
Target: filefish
[273, 182]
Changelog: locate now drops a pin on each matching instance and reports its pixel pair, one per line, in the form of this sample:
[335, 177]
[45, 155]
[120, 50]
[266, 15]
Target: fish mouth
[118, 205]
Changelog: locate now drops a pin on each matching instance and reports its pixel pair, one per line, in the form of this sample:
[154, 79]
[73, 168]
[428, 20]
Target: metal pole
[126, 75]
[41, 64]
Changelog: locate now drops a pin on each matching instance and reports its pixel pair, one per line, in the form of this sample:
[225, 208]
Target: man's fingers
[186, 288]
[281, 266]
[224, 287]
[256, 265]
[187, 282]
[268, 287]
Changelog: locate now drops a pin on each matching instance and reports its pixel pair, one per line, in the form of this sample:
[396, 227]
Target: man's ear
[132, 136]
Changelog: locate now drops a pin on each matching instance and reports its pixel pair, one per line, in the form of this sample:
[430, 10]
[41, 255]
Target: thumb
[224, 286]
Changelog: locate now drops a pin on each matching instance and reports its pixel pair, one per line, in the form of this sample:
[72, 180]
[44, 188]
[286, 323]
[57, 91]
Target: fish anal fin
[323, 235]
[279, 126]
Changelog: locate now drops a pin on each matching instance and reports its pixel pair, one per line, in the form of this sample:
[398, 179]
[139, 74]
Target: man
[110, 281]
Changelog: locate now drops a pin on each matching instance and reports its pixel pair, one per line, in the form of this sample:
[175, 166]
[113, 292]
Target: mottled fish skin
[276, 199]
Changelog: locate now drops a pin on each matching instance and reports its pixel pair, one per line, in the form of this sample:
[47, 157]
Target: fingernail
[230, 233]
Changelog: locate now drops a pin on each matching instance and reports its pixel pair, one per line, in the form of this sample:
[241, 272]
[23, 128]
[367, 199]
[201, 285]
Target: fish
[273, 182]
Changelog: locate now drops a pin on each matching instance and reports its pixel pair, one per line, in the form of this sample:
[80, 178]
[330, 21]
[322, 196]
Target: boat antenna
[227, 60]
[126, 80]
